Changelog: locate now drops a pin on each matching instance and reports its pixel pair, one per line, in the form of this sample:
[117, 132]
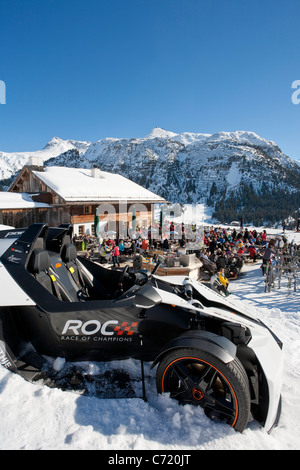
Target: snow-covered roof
[18, 201]
[5, 227]
[78, 184]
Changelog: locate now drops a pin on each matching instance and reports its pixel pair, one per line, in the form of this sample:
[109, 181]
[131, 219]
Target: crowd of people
[222, 251]
[111, 249]
[225, 251]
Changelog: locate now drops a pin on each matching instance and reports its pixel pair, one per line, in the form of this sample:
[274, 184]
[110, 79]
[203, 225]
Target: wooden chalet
[71, 195]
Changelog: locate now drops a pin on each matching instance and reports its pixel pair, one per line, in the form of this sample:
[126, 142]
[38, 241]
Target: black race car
[208, 351]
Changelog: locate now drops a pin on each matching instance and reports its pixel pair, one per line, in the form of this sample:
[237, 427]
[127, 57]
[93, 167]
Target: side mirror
[147, 298]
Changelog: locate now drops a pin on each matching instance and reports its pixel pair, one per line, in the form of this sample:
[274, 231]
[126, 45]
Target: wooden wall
[63, 214]
[20, 218]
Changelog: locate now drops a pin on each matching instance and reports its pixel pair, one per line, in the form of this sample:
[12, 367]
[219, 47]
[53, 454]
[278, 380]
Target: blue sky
[92, 69]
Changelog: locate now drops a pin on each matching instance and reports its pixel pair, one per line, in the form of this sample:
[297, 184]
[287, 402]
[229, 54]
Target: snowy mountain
[11, 163]
[183, 167]
[234, 172]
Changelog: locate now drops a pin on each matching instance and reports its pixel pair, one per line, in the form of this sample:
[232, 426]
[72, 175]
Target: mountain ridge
[235, 172]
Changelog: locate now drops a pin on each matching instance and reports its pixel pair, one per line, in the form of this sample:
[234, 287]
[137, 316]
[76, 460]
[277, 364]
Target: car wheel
[196, 377]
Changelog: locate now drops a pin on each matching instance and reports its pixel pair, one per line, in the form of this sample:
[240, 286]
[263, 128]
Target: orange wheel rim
[197, 394]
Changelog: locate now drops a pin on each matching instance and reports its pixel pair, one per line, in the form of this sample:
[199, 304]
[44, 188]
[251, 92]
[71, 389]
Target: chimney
[36, 161]
[95, 172]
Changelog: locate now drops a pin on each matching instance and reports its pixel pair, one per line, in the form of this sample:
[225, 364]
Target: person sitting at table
[121, 247]
[145, 244]
[224, 282]
[252, 252]
[109, 244]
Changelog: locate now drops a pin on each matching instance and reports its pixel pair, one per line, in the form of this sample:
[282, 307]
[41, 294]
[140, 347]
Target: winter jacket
[116, 251]
[223, 280]
[268, 253]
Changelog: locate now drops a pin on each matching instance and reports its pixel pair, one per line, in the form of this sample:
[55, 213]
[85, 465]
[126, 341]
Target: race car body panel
[104, 314]
[11, 293]
[267, 348]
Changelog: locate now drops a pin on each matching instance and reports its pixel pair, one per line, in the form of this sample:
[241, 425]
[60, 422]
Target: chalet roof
[18, 201]
[79, 184]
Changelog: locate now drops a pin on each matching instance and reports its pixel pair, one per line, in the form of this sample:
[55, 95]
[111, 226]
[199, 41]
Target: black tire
[196, 377]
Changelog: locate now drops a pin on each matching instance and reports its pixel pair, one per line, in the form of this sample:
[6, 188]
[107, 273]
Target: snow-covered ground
[37, 417]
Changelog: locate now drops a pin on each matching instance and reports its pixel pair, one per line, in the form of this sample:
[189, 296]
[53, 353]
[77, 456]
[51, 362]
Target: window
[87, 209]
[81, 230]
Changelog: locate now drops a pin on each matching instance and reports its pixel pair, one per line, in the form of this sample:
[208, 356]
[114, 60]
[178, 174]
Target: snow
[188, 138]
[18, 201]
[158, 133]
[36, 417]
[234, 175]
[242, 137]
[185, 138]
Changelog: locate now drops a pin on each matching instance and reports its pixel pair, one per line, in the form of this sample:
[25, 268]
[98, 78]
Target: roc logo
[92, 327]
[124, 328]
